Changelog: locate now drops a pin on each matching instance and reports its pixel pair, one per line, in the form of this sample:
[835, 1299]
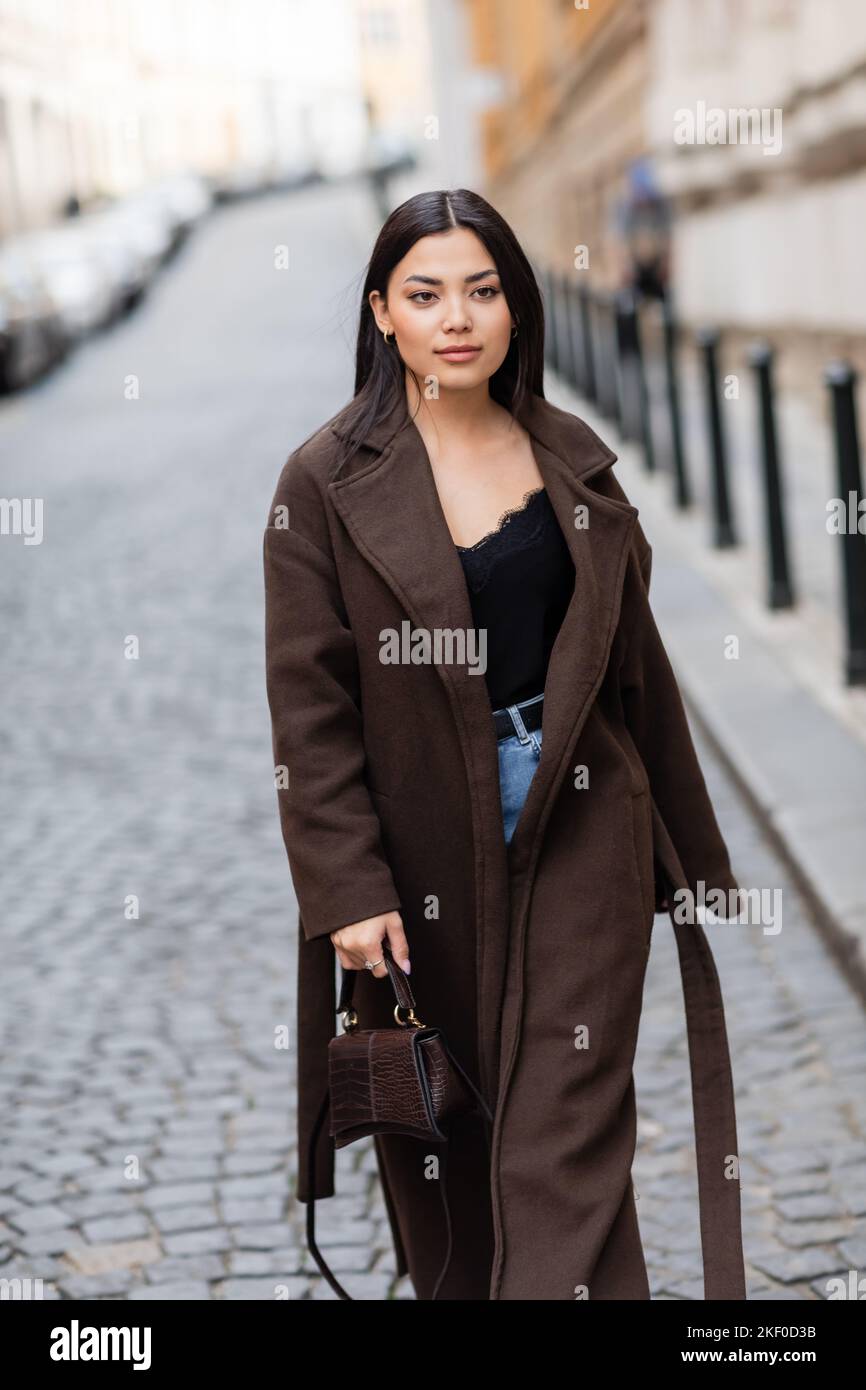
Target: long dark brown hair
[379, 369]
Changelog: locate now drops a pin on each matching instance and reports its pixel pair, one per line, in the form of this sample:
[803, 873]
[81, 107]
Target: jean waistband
[520, 718]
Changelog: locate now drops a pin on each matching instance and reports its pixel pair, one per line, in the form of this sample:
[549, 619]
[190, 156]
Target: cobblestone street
[147, 1092]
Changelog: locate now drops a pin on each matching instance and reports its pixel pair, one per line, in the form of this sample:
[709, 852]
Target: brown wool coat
[393, 803]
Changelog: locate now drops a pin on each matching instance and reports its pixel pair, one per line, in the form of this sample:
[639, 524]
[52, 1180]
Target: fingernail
[406, 966]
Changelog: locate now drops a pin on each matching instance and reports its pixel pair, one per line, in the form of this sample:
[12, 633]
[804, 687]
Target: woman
[449, 564]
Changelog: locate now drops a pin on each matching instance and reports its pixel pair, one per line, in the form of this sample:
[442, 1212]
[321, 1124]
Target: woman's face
[445, 295]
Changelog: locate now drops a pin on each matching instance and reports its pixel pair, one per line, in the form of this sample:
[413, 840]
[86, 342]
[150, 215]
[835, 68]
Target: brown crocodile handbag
[401, 1080]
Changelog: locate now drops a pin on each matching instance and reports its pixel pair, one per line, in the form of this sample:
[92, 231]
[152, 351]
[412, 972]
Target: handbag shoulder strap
[316, 1253]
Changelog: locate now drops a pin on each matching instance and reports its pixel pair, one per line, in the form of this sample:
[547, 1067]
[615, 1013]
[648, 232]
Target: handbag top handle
[399, 980]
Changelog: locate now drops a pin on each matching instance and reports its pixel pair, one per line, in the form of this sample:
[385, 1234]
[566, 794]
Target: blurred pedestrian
[643, 224]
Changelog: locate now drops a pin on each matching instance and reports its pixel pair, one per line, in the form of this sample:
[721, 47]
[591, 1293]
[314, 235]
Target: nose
[457, 318]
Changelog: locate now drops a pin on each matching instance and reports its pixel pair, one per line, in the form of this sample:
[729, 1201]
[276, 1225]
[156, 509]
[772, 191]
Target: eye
[417, 296]
[488, 291]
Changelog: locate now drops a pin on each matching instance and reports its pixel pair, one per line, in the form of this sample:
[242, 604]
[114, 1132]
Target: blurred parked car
[123, 260]
[186, 197]
[62, 282]
[76, 277]
[32, 337]
[145, 228]
[286, 174]
[162, 214]
[389, 155]
[241, 181]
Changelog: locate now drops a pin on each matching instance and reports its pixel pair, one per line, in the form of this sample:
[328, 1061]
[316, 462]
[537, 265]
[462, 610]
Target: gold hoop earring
[385, 333]
[514, 331]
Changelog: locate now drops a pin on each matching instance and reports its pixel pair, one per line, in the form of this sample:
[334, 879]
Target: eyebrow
[468, 280]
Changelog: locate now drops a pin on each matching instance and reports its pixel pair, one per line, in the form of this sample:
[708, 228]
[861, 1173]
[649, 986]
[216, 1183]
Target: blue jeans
[518, 759]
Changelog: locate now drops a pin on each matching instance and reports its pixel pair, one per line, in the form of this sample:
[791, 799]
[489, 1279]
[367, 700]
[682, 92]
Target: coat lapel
[392, 511]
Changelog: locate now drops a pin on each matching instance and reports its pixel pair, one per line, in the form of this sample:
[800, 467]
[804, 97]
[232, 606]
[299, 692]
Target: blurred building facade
[765, 232]
[768, 242]
[395, 70]
[97, 96]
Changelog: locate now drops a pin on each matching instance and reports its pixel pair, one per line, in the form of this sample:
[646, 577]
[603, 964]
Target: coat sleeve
[329, 824]
[656, 719]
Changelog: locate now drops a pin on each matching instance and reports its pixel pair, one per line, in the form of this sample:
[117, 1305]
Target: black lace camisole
[520, 578]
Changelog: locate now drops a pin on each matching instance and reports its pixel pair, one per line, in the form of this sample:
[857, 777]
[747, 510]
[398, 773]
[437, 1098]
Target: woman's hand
[362, 941]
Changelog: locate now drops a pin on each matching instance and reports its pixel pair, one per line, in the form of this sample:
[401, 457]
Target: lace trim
[505, 517]
[520, 526]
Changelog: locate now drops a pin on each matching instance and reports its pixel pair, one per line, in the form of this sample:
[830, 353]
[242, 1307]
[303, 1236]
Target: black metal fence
[596, 341]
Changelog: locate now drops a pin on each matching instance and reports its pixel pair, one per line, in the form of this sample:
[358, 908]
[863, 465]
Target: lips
[460, 351]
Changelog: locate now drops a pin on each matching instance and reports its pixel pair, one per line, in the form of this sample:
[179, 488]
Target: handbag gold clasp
[349, 1019]
[403, 1022]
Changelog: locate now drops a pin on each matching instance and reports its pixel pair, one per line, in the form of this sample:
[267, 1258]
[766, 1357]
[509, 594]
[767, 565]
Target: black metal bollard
[575, 337]
[609, 314]
[544, 282]
[780, 592]
[841, 379]
[545, 278]
[723, 535]
[560, 320]
[551, 316]
[589, 378]
[599, 351]
[564, 348]
[682, 490]
[625, 317]
[643, 397]
[607, 379]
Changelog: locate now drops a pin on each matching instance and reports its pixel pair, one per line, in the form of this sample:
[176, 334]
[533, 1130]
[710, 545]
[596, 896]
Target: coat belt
[712, 1093]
